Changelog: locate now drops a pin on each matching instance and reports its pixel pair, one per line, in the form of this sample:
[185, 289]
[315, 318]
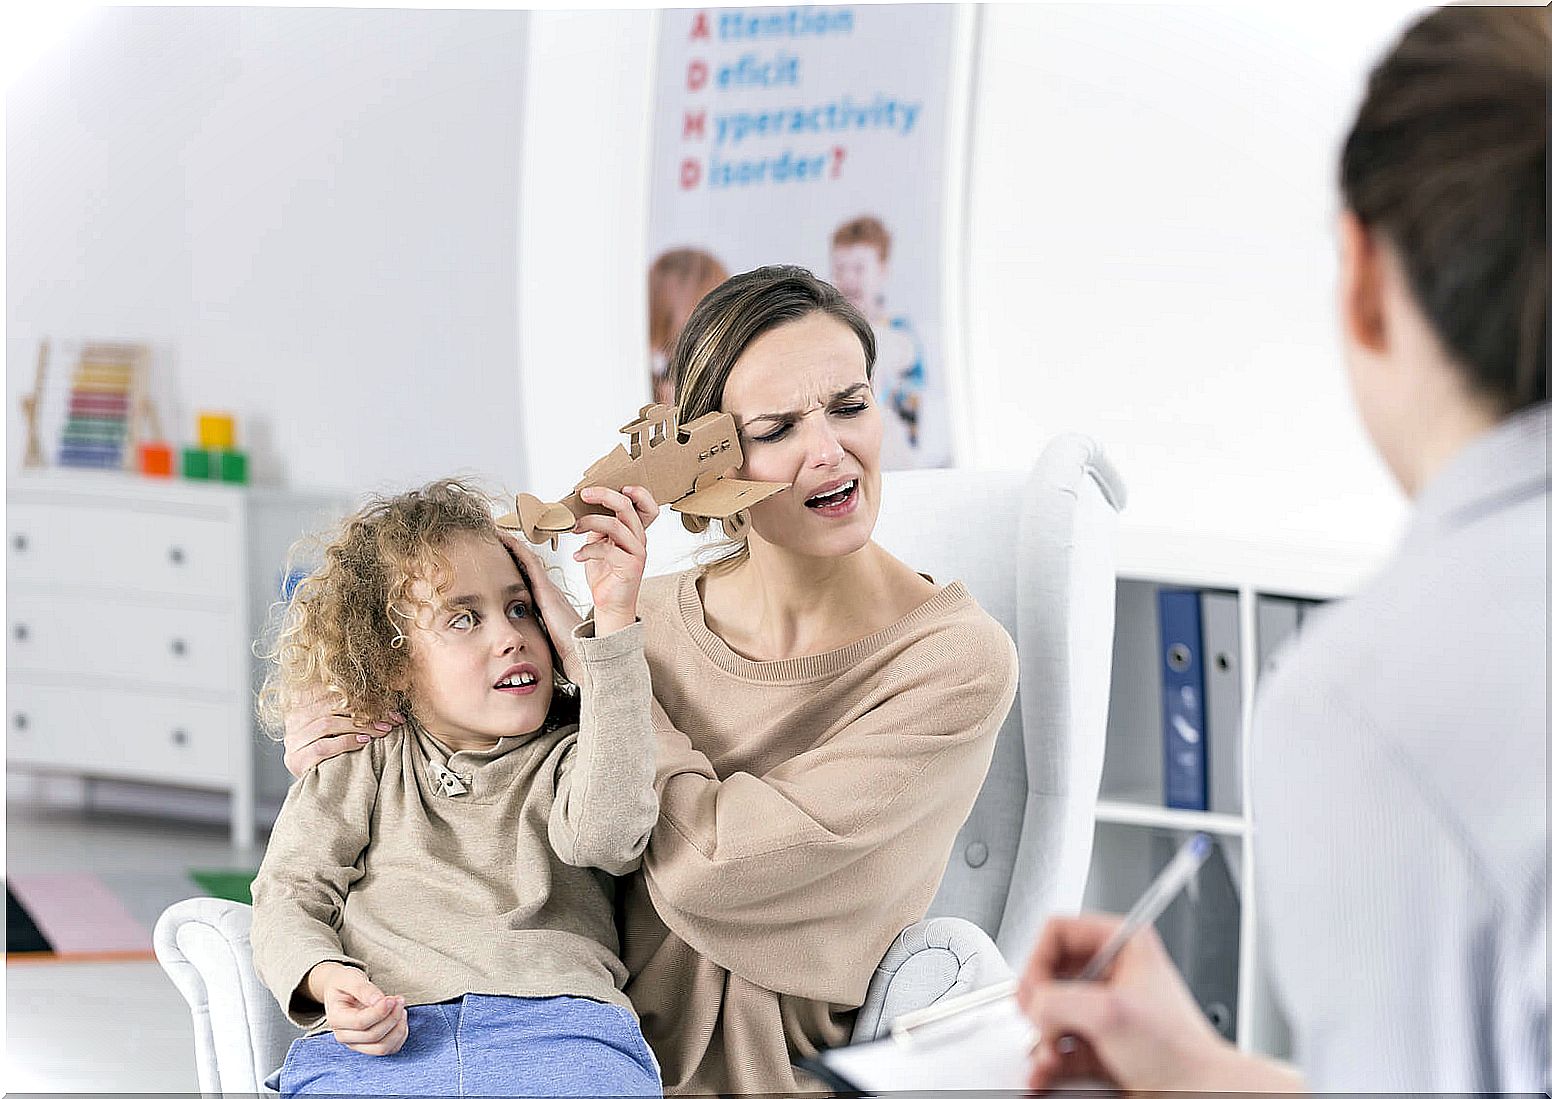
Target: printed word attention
[738, 26]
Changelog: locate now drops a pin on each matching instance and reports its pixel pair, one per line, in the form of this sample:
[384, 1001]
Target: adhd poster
[815, 136]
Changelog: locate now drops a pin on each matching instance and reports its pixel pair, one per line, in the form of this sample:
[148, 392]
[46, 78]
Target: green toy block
[196, 464]
[234, 466]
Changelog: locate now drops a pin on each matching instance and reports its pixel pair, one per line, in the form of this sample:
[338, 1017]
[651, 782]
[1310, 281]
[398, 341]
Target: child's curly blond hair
[347, 626]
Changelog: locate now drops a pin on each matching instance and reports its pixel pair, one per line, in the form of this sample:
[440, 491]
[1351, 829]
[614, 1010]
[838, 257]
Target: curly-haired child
[436, 908]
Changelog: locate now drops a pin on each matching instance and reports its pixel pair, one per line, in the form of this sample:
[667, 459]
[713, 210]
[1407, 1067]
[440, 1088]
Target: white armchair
[1037, 551]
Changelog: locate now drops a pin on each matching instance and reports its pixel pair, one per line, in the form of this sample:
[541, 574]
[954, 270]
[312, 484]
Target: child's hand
[615, 556]
[361, 1017]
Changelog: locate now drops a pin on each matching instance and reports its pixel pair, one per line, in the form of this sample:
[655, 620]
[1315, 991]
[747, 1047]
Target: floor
[122, 1026]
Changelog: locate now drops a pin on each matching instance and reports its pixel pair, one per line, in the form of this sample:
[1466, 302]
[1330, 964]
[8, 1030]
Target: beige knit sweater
[501, 888]
[808, 811]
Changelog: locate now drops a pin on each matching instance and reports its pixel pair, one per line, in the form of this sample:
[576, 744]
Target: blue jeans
[488, 1045]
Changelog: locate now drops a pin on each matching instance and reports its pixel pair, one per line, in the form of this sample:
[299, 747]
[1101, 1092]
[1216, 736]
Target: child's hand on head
[359, 1014]
[615, 555]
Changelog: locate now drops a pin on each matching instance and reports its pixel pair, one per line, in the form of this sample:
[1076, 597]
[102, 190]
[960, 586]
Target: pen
[1151, 905]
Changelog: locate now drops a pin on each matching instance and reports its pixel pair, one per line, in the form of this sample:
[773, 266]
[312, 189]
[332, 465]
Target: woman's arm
[309, 865]
[826, 857]
[605, 803]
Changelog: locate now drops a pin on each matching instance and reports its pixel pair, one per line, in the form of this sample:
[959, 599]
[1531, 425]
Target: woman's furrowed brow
[839, 395]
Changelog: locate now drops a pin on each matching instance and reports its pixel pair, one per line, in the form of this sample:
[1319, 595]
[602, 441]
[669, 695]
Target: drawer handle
[20, 632]
[20, 721]
[176, 555]
[180, 737]
[19, 542]
[179, 647]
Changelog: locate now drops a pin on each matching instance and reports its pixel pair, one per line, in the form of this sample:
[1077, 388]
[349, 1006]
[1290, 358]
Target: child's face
[480, 661]
[858, 272]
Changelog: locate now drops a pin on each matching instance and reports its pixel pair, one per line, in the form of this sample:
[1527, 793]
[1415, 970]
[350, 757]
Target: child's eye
[518, 610]
[463, 620]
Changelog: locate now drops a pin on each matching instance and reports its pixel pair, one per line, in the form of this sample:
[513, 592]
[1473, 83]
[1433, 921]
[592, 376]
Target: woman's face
[806, 416]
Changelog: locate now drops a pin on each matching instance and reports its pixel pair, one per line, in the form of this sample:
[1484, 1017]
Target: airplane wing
[724, 497]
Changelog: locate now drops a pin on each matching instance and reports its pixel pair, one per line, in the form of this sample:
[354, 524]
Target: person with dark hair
[1399, 756]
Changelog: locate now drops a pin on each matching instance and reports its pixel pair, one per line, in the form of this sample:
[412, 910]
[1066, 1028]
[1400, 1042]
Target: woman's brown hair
[727, 321]
[1447, 161]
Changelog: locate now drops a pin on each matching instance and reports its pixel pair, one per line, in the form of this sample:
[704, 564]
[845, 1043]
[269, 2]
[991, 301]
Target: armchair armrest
[929, 961]
[240, 1033]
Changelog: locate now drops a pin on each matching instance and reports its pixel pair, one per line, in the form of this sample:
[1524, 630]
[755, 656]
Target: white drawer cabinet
[132, 608]
[114, 642]
[118, 733]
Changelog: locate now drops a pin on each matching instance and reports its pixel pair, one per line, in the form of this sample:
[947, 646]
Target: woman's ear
[1362, 288]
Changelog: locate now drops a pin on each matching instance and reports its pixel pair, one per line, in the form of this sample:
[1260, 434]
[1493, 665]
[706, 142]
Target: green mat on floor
[229, 885]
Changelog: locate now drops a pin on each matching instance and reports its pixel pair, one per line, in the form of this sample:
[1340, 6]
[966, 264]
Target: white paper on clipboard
[984, 1047]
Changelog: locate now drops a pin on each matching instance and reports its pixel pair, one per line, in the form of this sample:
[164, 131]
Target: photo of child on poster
[815, 136]
[859, 269]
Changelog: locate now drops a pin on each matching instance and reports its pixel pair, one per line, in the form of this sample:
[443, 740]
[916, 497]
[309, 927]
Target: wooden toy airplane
[685, 468]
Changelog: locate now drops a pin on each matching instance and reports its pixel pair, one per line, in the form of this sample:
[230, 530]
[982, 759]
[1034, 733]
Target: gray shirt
[1400, 773]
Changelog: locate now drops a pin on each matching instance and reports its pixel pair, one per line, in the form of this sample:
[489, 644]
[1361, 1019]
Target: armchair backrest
[1037, 551]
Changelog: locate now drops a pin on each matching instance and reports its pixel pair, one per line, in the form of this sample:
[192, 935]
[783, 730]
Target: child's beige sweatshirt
[494, 881]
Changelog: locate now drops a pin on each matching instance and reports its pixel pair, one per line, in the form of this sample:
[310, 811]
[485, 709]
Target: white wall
[310, 213]
[326, 214]
[583, 261]
[1151, 256]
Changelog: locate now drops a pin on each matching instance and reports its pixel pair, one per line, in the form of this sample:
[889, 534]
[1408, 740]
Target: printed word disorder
[745, 77]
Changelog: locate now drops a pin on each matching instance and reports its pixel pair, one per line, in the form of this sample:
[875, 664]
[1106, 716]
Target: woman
[1400, 749]
[824, 714]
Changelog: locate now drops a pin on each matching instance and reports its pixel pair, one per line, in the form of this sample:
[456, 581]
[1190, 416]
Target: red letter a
[700, 29]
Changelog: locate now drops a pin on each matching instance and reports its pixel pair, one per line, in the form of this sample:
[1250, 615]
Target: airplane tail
[538, 521]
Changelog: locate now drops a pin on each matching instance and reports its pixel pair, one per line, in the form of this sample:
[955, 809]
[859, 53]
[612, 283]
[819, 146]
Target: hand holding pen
[1106, 986]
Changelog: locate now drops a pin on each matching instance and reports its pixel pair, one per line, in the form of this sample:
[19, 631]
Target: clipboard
[979, 1040]
[982, 1040]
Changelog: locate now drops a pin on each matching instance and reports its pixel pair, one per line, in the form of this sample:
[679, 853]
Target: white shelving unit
[133, 607]
[1131, 819]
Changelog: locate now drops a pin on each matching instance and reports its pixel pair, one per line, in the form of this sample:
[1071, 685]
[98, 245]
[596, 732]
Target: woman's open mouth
[835, 500]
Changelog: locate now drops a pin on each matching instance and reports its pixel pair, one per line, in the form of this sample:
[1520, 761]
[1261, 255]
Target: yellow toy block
[217, 431]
